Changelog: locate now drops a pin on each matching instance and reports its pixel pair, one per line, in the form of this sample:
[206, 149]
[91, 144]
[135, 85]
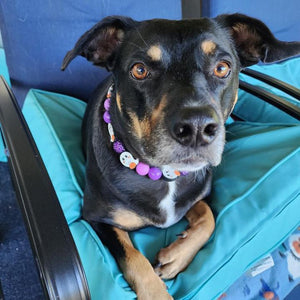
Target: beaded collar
[127, 159]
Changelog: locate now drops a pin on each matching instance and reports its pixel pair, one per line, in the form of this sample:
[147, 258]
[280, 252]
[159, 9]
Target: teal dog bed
[255, 195]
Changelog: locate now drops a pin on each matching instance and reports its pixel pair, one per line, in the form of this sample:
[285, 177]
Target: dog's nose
[196, 127]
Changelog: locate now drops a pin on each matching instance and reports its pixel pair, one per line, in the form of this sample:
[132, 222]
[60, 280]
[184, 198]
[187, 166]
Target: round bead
[155, 173]
[184, 173]
[142, 169]
[107, 104]
[106, 117]
[118, 147]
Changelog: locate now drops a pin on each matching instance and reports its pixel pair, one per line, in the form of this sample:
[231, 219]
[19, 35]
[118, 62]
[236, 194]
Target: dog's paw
[173, 259]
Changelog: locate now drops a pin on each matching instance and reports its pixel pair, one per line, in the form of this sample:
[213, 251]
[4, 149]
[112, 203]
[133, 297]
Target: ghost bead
[170, 173]
[128, 161]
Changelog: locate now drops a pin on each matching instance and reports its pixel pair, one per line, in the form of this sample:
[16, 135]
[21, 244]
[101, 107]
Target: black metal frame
[281, 103]
[191, 9]
[1, 293]
[58, 262]
[281, 85]
[53, 246]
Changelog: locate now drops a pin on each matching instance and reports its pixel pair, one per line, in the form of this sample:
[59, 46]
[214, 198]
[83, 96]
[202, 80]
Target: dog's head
[176, 82]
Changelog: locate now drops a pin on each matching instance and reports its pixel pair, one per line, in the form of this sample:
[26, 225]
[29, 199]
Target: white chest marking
[167, 206]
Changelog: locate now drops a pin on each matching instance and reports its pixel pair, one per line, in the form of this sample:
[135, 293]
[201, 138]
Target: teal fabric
[3, 157]
[256, 200]
[3, 66]
[55, 122]
[4, 73]
[287, 71]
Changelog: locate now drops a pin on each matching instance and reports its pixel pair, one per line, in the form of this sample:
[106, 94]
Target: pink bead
[107, 104]
[106, 117]
[154, 173]
[142, 169]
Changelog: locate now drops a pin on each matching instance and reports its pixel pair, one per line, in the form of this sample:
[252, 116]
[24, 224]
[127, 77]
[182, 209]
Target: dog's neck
[126, 158]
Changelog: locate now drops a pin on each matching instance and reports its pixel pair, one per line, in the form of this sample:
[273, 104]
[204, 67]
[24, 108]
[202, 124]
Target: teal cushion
[55, 122]
[256, 199]
[287, 71]
[3, 66]
[3, 157]
[4, 73]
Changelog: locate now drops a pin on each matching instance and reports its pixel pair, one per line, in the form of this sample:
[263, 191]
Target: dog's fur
[174, 116]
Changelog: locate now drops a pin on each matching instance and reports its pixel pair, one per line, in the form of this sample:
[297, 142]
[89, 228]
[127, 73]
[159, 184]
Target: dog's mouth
[168, 152]
[195, 162]
[190, 164]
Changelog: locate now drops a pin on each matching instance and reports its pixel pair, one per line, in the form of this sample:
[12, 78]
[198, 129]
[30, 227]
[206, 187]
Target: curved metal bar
[60, 267]
[286, 106]
[279, 84]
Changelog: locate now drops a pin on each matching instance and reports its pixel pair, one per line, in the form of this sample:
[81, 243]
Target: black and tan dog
[173, 85]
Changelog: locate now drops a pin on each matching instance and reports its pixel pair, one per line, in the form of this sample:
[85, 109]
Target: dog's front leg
[136, 268]
[177, 256]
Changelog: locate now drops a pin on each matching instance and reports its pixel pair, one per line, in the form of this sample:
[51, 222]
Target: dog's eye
[222, 69]
[139, 71]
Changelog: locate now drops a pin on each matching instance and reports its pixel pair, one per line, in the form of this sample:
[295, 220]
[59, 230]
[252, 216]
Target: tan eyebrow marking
[155, 52]
[208, 47]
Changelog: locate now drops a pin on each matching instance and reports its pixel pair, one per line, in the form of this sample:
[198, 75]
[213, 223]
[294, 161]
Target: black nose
[195, 126]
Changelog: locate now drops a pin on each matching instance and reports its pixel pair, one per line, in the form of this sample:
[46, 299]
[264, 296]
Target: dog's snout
[196, 127]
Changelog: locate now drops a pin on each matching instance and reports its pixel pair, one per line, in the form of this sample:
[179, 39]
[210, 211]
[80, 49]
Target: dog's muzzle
[195, 127]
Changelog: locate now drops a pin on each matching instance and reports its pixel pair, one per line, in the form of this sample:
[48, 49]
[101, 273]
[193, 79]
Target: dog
[154, 130]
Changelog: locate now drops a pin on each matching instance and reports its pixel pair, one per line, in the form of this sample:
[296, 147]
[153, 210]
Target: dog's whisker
[137, 46]
[142, 37]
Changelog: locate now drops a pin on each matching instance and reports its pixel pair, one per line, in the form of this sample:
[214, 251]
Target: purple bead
[118, 147]
[106, 117]
[154, 173]
[184, 173]
[107, 104]
[142, 169]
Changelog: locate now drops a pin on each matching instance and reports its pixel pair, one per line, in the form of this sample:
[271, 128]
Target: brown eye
[222, 69]
[139, 71]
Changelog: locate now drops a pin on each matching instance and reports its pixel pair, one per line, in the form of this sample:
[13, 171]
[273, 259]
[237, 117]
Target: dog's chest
[179, 199]
[167, 206]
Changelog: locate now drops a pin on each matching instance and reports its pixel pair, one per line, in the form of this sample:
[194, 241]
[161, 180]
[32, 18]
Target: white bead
[169, 172]
[128, 160]
[111, 132]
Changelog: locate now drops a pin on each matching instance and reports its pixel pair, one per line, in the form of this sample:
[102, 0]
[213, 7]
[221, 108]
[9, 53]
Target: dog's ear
[99, 44]
[254, 40]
